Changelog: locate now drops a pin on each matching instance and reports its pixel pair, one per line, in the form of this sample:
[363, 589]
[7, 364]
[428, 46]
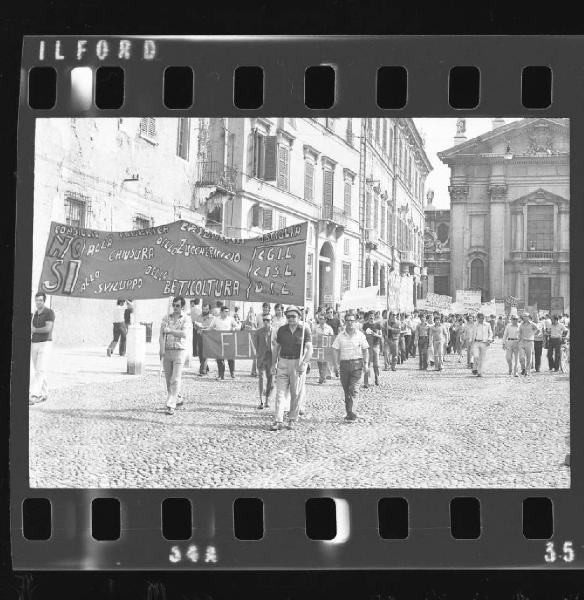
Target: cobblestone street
[103, 428]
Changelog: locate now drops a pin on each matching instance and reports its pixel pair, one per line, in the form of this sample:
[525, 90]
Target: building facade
[436, 273]
[113, 175]
[510, 209]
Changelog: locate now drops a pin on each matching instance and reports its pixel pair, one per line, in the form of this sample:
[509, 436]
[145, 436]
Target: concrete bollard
[136, 349]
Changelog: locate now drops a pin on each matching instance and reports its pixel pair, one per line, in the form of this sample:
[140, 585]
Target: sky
[439, 135]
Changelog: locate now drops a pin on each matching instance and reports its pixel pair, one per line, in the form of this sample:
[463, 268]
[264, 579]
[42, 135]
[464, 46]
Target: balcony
[371, 238]
[333, 220]
[409, 257]
[211, 173]
[535, 255]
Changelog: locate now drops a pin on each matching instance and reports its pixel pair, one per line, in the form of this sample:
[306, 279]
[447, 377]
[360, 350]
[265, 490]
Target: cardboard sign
[438, 301]
[470, 299]
[177, 259]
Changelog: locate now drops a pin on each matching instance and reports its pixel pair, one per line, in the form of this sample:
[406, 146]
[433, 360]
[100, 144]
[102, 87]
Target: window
[367, 272]
[148, 128]
[382, 278]
[347, 246]
[368, 210]
[389, 227]
[258, 145]
[350, 131]
[281, 222]
[142, 222]
[75, 212]
[327, 187]
[215, 217]
[309, 276]
[383, 221]
[540, 227]
[384, 138]
[375, 274]
[268, 215]
[283, 166]
[540, 292]
[309, 181]
[264, 154]
[442, 232]
[375, 210]
[345, 277]
[347, 198]
[441, 285]
[254, 216]
[477, 274]
[183, 138]
[477, 230]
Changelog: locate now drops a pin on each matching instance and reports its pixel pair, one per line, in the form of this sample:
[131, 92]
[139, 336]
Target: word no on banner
[177, 259]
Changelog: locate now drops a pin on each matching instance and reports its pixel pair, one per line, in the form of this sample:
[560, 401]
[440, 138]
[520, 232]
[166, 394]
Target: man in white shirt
[321, 329]
[224, 322]
[481, 338]
[351, 354]
[527, 331]
[511, 345]
[415, 321]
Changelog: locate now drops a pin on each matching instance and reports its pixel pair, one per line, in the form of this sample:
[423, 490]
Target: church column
[556, 230]
[458, 199]
[498, 194]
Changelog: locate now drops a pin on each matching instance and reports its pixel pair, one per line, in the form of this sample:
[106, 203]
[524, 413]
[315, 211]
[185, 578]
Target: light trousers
[173, 363]
[288, 382]
[39, 358]
[479, 351]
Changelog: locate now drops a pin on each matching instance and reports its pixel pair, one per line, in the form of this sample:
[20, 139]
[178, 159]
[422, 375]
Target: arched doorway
[326, 275]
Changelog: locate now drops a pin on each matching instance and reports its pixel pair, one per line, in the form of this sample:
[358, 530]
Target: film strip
[282, 99]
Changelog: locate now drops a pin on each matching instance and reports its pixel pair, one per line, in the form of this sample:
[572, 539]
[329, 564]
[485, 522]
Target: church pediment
[539, 196]
[526, 137]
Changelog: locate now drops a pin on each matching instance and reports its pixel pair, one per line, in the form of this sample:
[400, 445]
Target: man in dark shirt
[373, 333]
[40, 349]
[332, 321]
[391, 333]
[421, 339]
[293, 350]
[263, 347]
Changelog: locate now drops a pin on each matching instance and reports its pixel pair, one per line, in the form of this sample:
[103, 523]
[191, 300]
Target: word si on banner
[177, 259]
[241, 344]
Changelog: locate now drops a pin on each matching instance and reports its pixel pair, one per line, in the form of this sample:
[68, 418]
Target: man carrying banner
[202, 323]
[119, 327]
[263, 345]
[224, 322]
[173, 346]
[293, 350]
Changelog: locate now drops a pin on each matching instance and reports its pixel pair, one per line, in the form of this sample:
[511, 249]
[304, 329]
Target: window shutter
[347, 198]
[251, 146]
[270, 159]
[268, 219]
[308, 181]
[368, 210]
[382, 233]
[327, 191]
[281, 222]
[255, 215]
[350, 131]
[376, 210]
[152, 128]
[283, 155]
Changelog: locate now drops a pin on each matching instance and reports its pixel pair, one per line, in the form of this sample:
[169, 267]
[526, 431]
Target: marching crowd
[283, 340]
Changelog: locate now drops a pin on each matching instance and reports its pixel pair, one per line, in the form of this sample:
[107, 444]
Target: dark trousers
[203, 368]
[408, 344]
[265, 367]
[120, 331]
[350, 375]
[221, 367]
[412, 348]
[537, 347]
[196, 338]
[423, 351]
[554, 350]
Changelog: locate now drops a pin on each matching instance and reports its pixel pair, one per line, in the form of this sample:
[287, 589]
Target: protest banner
[406, 294]
[471, 299]
[366, 298]
[500, 309]
[458, 308]
[176, 259]
[393, 290]
[241, 345]
[488, 308]
[438, 301]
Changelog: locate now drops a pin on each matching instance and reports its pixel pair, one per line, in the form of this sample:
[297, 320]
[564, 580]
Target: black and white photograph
[325, 303]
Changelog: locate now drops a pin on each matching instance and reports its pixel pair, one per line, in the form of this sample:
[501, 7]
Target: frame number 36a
[567, 553]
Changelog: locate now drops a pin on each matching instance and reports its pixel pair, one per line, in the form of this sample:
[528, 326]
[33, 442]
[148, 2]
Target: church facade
[510, 210]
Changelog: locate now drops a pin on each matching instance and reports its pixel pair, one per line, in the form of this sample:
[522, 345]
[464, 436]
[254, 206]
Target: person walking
[511, 345]
[373, 335]
[258, 325]
[351, 354]
[468, 333]
[293, 351]
[173, 346]
[263, 346]
[436, 339]
[407, 326]
[421, 334]
[321, 328]
[392, 336]
[41, 343]
[538, 343]
[196, 312]
[203, 323]
[527, 331]
[119, 327]
[415, 321]
[558, 333]
[481, 339]
[224, 322]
